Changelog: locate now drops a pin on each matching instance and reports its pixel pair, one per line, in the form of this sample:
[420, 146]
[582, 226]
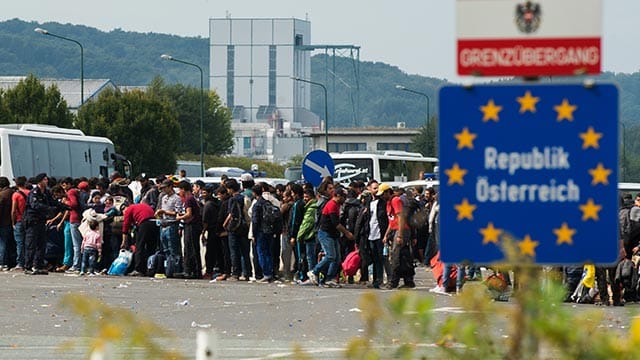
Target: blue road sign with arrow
[534, 164]
[316, 165]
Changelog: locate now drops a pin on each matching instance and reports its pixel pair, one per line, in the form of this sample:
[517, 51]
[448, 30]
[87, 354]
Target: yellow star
[600, 175]
[528, 246]
[465, 210]
[490, 111]
[565, 110]
[490, 234]
[455, 174]
[465, 139]
[590, 138]
[564, 234]
[528, 102]
[590, 210]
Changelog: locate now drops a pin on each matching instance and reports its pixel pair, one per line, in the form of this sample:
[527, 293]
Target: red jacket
[136, 214]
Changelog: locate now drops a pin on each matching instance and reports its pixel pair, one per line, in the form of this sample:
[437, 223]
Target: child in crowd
[91, 249]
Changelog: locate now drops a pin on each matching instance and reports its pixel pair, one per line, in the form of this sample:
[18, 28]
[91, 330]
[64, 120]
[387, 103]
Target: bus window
[393, 171]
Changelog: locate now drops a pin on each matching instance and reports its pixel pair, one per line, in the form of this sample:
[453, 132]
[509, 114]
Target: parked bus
[30, 149]
[393, 167]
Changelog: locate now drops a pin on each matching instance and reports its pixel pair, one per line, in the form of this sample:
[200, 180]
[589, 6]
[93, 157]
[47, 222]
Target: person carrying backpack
[328, 234]
[306, 237]
[238, 230]
[266, 223]
[398, 236]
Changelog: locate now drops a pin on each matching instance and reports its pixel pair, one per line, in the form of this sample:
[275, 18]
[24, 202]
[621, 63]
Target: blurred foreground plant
[110, 330]
[539, 326]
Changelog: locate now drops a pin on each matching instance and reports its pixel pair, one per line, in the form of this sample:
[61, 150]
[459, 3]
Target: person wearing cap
[120, 186]
[398, 237]
[170, 206]
[247, 181]
[328, 233]
[40, 204]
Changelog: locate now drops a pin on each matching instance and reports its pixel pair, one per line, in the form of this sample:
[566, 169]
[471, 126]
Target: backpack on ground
[155, 264]
[271, 218]
[497, 286]
[627, 277]
[351, 263]
[172, 266]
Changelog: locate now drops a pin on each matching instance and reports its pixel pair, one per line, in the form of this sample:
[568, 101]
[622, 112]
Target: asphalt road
[249, 320]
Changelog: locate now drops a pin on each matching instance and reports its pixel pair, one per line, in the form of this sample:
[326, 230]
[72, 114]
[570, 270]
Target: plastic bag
[121, 263]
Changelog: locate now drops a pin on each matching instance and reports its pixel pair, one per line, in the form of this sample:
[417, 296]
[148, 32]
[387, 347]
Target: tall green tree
[143, 128]
[30, 103]
[426, 142]
[217, 134]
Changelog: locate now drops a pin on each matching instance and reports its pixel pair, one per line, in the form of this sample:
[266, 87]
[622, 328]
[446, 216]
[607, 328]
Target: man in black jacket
[40, 206]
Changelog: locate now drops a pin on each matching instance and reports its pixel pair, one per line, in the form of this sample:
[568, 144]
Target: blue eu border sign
[537, 164]
[316, 165]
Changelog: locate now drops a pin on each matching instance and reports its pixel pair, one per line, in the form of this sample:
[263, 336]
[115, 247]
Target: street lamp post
[171, 58]
[400, 87]
[326, 110]
[624, 154]
[45, 32]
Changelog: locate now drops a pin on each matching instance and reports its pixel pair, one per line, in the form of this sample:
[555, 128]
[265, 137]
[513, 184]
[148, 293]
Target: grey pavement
[249, 320]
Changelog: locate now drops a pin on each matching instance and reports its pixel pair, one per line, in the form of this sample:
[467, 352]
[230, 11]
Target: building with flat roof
[365, 139]
[252, 63]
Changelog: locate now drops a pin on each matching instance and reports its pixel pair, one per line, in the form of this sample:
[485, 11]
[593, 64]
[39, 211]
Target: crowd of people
[243, 230]
[238, 230]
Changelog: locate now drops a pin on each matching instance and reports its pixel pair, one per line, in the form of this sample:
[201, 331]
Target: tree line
[148, 127]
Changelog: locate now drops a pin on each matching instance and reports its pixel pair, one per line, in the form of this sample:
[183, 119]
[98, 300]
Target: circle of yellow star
[590, 210]
[490, 111]
[564, 234]
[465, 139]
[565, 110]
[600, 175]
[456, 175]
[528, 246]
[528, 102]
[465, 210]
[490, 234]
[590, 138]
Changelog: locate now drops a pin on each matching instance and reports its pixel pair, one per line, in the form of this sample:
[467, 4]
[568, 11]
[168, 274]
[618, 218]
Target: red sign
[501, 38]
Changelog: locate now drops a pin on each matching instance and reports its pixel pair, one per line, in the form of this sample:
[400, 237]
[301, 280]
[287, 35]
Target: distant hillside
[130, 58]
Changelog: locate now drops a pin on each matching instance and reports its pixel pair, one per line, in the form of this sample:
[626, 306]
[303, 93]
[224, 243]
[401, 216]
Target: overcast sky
[418, 36]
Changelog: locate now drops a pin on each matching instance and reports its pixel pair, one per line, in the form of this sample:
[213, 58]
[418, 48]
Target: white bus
[393, 167]
[30, 149]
